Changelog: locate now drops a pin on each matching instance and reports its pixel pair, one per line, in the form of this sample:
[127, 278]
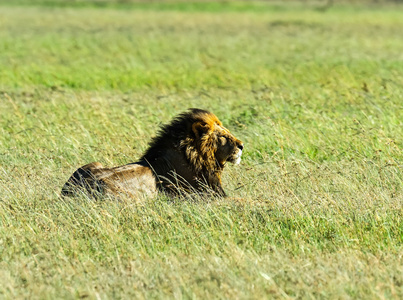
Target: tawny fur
[188, 155]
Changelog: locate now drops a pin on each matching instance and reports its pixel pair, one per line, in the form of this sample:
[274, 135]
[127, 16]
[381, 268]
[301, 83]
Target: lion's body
[188, 155]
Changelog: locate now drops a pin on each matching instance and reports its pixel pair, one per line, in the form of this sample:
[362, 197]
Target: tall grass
[315, 208]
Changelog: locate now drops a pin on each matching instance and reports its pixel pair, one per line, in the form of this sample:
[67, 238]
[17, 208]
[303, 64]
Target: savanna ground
[315, 208]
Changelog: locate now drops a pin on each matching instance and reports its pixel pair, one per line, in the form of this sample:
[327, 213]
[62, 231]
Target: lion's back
[134, 180]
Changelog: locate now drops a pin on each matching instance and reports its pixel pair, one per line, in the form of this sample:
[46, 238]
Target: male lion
[188, 155]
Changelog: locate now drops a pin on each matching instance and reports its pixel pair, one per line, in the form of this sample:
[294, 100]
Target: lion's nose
[240, 146]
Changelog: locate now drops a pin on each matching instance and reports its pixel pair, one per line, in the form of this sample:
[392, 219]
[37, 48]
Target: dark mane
[170, 135]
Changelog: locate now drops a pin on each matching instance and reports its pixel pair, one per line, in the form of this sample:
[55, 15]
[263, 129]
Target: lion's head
[197, 146]
[210, 145]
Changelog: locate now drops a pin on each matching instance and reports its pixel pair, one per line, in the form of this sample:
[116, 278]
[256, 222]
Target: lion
[187, 156]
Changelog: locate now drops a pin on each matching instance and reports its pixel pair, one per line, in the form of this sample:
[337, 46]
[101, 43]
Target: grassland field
[315, 209]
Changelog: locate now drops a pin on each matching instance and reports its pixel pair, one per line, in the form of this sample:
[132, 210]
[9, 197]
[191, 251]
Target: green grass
[315, 208]
[188, 6]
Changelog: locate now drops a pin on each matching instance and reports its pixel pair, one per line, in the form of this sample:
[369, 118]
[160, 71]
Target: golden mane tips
[204, 116]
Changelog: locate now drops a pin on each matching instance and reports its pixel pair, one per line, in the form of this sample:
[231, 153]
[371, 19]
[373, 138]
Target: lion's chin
[237, 159]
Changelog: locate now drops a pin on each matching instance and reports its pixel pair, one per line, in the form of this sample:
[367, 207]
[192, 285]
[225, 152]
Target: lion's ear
[200, 128]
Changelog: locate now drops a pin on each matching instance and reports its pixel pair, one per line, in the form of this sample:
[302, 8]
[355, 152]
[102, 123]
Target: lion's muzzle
[238, 154]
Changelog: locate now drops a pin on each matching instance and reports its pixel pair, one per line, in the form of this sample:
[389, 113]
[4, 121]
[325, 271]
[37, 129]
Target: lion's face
[215, 142]
[229, 148]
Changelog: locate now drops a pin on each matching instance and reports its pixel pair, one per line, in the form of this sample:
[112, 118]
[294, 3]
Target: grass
[315, 208]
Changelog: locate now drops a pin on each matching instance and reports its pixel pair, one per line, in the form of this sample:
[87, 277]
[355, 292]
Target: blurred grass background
[312, 88]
